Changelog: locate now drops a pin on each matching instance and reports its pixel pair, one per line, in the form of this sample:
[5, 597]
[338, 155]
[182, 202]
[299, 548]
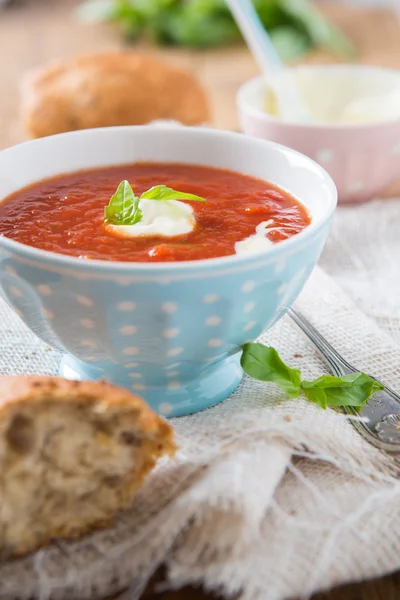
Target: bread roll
[110, 89]
[72, 454]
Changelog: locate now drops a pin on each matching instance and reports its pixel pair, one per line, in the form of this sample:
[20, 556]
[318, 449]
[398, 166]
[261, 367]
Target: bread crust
[101, 90]
[110, 412]
[31, 388]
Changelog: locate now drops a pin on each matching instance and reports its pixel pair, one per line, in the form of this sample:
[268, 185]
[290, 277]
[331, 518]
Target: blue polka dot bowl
[171, 332]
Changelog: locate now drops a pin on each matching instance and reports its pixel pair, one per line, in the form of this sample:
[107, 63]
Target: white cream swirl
[167, 218]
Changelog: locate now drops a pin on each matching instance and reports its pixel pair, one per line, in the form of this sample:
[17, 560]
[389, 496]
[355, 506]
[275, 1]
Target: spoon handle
[261, 46]
[256, 37]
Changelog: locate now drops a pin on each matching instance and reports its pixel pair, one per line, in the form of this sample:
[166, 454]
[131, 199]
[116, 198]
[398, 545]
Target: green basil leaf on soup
[123, 208]
[162, 192]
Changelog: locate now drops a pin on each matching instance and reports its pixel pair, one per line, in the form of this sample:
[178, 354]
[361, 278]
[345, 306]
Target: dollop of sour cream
[167, 218]
[171, 217]
[258, 241]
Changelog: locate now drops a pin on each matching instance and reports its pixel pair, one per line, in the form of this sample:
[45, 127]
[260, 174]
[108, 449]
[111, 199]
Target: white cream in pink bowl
[354, 132]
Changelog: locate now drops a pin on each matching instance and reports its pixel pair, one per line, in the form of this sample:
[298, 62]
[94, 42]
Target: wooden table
[33, 32]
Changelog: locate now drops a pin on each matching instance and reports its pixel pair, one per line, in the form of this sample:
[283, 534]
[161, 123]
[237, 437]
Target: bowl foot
[175, 399]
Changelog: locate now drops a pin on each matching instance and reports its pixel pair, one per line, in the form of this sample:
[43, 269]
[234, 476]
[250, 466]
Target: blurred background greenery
[295, 26]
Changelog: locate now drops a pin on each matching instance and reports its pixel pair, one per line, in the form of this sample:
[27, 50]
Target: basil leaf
[316, 395]
[162, 192]
[264, 363]
[209, 23]
[350, 390]
[123, 208]
[191, 26]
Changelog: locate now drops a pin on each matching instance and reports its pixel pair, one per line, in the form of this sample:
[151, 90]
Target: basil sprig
[123, 208]
[265, 364]
[162, 192]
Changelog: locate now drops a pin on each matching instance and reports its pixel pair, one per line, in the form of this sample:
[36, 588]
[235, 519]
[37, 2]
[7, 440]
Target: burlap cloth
[270, 498]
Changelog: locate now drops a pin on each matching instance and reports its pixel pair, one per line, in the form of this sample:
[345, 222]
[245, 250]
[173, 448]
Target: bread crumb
[80, 445]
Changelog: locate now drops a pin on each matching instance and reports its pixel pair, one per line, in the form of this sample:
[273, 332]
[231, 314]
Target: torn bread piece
[72, 454]
[102, 90]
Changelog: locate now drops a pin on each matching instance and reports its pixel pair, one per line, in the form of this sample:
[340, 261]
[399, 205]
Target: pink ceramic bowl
[362, 158]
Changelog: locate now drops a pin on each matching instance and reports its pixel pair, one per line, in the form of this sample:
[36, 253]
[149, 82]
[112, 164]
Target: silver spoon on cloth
[381, 414]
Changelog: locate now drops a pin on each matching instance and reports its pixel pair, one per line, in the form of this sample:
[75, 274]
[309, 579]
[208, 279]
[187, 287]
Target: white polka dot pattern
[165, 408]
[356, 186]
[44, 290]
[87, 323]
[128, 330]
[88, 343]
[88, 358]
[173, 366]
[172, 373]
[214, 320]
[249, 307]
[248, 286]
[130, 351]
[167, 341]
[139, 387]
[324, 156]
[282, 288]
[126, 306]
[174, 351]
[280, 266]
[174, 385]
[124, 280]
[169, 307]
[210, 298]
[170, 333]
[84, 301]
[215, 343]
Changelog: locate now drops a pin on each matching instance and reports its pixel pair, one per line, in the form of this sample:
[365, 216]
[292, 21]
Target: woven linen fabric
[267, 498]
[363, 255]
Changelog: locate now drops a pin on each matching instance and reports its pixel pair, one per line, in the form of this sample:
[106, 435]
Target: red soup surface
[65, 214]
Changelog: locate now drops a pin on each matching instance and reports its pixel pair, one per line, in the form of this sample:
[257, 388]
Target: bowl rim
[248, 108]
[37, 254]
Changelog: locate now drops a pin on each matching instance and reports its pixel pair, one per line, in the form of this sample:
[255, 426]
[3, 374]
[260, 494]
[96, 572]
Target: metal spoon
[381, 424]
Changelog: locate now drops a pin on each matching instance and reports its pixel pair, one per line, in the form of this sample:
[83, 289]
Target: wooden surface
[33, 32]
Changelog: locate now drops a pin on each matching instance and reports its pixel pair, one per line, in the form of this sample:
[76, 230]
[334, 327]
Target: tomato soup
[66, 214]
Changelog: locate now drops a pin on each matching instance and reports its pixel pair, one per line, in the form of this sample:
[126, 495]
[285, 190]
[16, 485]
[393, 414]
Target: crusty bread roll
[110, 89]
[72, 454]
